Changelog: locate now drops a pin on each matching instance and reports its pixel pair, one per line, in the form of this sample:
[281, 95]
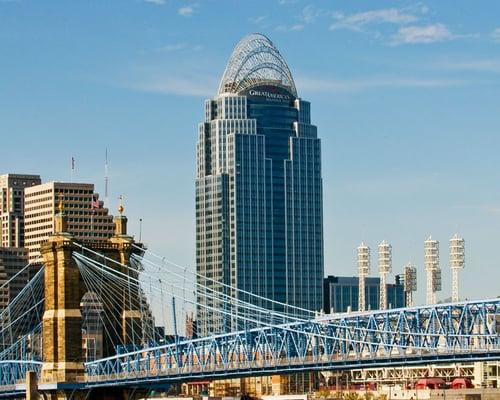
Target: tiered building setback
[12, 188]
[88, 220]
[259, 212]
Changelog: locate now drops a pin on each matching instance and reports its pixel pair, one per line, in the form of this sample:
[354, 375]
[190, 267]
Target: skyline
[388, 75]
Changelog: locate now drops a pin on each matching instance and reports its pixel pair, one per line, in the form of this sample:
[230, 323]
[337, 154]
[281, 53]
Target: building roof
[255, 61]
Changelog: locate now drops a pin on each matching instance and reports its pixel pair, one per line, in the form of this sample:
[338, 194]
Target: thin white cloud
[258, 20]
[358, 85]
[172, 47]
[186, 11]
[486, 208]
[358, 21]
[485, 65]
[194, 85]
[206, 86]
[423, 34]
[156, 2]
[404, 19]
[492, 210]
[309, 14]
[495, 35]
[290, 28]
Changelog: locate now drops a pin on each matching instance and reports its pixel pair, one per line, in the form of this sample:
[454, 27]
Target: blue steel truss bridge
[132, 310]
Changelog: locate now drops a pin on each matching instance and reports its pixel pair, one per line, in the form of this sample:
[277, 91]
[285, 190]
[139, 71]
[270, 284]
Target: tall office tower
[432, 269]
[384, 268]
[363, 272]
[259, 211]
[88, 220]
[12, 207]
[457, 262]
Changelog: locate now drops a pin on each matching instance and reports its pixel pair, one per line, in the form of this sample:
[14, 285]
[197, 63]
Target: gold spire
[120, 220]
[61, 204]
[60, 219]
[121, 208]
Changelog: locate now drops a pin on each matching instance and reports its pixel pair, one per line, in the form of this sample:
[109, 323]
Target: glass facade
[341, 294]
[259, 223]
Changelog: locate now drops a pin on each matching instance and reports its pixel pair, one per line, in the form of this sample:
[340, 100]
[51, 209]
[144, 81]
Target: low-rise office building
[341, 293]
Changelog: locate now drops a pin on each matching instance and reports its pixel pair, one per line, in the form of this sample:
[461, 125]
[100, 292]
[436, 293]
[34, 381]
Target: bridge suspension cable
[21, 318]
[300, 310]
[290, 326]
[125, 279]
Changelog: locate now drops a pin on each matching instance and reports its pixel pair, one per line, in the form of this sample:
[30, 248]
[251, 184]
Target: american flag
[95, 204]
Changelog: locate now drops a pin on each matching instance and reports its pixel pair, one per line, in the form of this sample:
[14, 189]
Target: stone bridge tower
[63, 367]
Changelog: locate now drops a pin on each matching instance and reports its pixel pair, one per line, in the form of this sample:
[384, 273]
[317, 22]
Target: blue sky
[406, 96]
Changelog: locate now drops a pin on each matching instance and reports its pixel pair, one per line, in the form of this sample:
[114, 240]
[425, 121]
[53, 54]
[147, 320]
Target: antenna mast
[106, 178]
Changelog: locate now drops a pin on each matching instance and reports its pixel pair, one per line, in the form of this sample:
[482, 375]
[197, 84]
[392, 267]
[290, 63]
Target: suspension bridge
[114, 296]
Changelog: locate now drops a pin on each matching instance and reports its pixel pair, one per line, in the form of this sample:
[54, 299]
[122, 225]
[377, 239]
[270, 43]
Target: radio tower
[106, 178]
[363, 271]
[410, 283]
[457, 262]
[384, 268]
[431, 262]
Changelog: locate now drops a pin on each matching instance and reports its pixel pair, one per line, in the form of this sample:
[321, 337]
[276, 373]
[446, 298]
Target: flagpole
[72, 169]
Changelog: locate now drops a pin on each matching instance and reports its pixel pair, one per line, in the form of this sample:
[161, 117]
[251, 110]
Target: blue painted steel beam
[427, 333]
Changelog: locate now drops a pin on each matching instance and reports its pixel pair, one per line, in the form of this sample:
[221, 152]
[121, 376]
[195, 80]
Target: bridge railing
[13, 372]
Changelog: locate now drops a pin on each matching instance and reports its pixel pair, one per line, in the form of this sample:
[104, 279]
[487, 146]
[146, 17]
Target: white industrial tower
[431, 262]
[384, 268]
[410, 283]
[363, 271]
[457, 262]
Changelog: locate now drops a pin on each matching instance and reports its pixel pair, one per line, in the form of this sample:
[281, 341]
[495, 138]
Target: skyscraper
[88, 220]
[13, 255]
[12, 207]
[259, 212]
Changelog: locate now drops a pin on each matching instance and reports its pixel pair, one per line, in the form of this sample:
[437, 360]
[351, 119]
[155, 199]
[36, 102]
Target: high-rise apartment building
[88, 220]
[12, 188]
[259, 212]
